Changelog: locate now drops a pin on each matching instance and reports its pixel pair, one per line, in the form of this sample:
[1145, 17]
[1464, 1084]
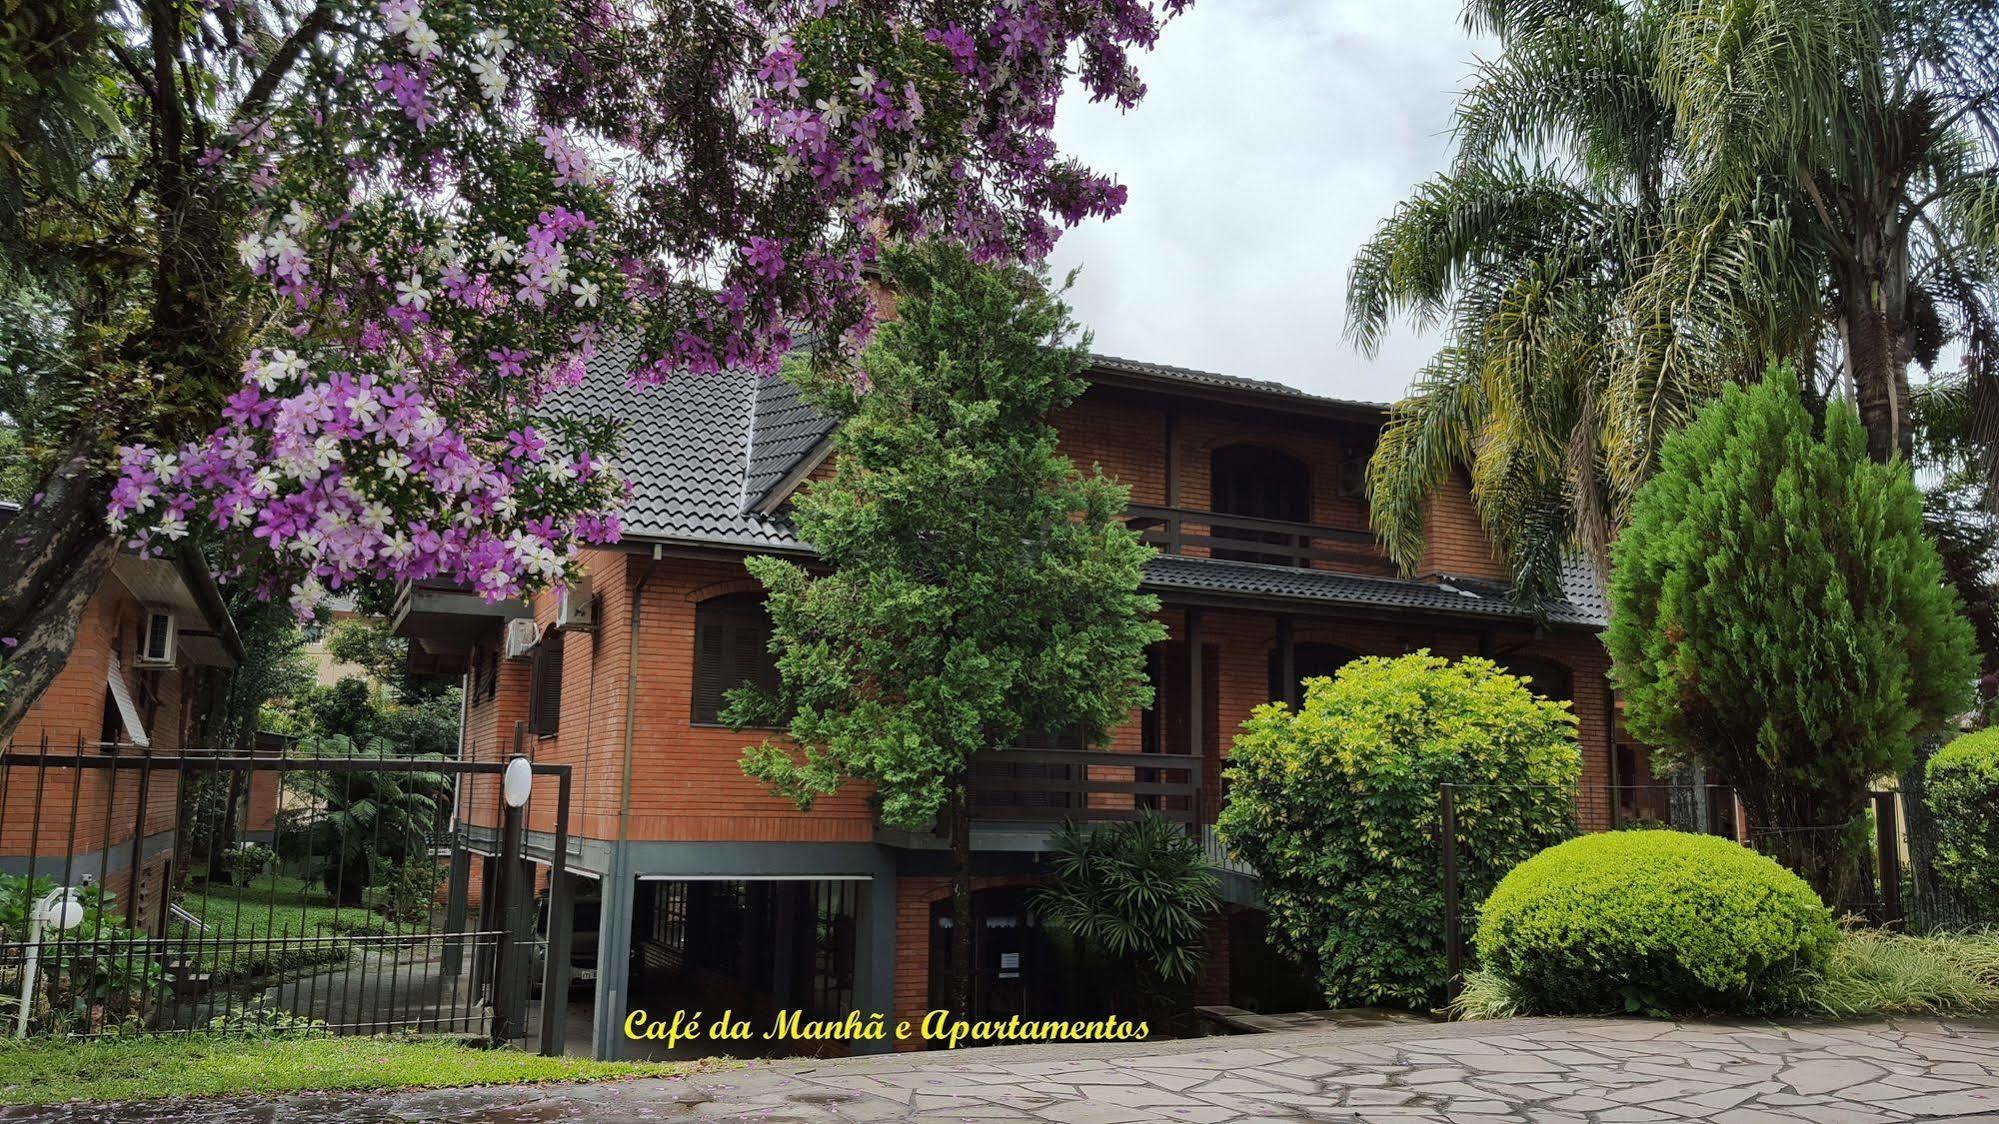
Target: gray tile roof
[685, 451]
[1162, 372]
[1170, 573]
[783, 431]
[702, 451]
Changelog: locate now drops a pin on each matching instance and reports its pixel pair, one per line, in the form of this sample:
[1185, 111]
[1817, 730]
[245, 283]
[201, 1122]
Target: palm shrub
[1963, 788]
[1657, 922]
[1335, 805]
[1138, 891]
[1779, 616]
[356, 824]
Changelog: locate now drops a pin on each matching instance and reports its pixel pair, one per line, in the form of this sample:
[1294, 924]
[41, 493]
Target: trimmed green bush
[1963, 788]
[1660, 922]
[1336, 807]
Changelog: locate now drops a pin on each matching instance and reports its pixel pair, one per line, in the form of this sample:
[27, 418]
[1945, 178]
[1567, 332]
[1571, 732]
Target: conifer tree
[975, 585]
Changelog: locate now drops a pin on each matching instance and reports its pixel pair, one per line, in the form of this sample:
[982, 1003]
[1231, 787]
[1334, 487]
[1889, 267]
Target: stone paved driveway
[1526, 1070]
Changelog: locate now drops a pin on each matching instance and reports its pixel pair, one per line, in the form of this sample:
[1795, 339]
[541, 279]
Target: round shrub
[1662, 922]
[1962, 780]
[1335, 804]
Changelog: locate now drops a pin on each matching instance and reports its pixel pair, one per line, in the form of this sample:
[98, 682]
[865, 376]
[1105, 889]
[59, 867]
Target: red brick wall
[1455, 542]
[103, 803]
[913, 898]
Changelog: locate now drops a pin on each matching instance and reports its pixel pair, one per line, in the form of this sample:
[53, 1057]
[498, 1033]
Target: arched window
[1262, 483]
[731, 648]
[1545, 678]
[1308, 661]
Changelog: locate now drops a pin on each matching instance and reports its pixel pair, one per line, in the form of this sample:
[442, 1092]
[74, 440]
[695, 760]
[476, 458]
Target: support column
[1287, 663]
[875, 955]
[1194, 723]
[614, 955]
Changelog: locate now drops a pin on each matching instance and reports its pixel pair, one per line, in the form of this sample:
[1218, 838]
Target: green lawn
[273, 908]
[51, 1072]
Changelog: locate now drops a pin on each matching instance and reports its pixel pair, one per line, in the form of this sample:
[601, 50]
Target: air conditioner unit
[156, 639]
[522, 636]
[575, 611]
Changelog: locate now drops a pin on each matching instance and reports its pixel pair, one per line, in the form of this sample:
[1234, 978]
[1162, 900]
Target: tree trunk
[1874, 326]
[57, 549]
[961, 901]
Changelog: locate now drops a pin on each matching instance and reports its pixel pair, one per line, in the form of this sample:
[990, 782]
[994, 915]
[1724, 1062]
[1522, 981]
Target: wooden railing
[1084, 785]
[1244, 538]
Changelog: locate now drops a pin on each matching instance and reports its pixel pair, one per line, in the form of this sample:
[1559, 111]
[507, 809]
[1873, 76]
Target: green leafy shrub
[267, 1022]
[1963, 790]
[97, 976]
[1660, 922]
[1335, 805]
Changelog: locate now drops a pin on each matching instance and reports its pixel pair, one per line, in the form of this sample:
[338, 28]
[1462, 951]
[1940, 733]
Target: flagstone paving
[1585, 1071]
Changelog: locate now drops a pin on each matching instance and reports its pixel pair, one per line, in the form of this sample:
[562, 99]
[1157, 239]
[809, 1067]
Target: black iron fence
[1877, 868]
[146, 892]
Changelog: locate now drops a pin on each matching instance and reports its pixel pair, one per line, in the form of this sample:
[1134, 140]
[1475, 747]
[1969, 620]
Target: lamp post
[59, 910]
[510, 968]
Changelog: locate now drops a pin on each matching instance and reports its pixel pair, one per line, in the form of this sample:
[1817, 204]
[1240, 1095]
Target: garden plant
[1336, 806]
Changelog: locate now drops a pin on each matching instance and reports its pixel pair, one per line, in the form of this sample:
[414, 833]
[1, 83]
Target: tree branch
[316, 21]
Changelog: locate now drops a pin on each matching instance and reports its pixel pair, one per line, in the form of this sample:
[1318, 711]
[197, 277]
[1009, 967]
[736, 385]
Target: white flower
[493, 40]
[173, 527]
[502, 249]
[363, 405]
[280, 244]
[411, 293]
[250, 249]
[166, 467]
[306, 596]
[788, 166]
[394, 465]
[421, 42]
[278, 366]
[298, 218]
[398, 547]
[264, 482]
[492, 80]
[401, 19]
[586, 292]
[832, 111]
[375, 516]
[863, 81]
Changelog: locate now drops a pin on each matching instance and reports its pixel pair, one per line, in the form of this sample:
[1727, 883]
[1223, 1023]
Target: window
[731, 648]
[1261, 483]
[1308, 661]
[1548, 680]
[545, 695]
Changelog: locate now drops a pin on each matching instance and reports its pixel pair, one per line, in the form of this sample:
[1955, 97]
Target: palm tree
[1618, 238]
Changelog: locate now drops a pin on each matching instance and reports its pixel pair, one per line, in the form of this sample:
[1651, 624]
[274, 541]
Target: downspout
[632, 701]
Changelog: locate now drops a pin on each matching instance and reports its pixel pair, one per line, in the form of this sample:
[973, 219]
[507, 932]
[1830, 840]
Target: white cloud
[1275, 137]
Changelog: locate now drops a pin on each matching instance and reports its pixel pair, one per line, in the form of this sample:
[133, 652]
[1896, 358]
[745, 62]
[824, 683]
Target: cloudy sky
[1276, 135]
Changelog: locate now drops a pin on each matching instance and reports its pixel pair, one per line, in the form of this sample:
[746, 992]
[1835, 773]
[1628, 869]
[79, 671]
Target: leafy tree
[1335, 805]
[308, 269]
[1652, 200]
[367, 643]
[1779, 616]
[977, 586]
[1138, 892]
[1962, 791]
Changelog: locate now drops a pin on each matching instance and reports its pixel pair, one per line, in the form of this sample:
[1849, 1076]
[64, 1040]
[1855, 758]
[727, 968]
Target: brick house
[714, 893]
[151, 654]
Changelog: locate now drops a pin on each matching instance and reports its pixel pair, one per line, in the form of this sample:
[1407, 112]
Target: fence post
[1888, 851]
[1447, 838]
[561, 916]
[456, 895]
[514, 962]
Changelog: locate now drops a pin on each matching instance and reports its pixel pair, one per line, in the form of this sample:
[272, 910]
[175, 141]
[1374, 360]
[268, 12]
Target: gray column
[874, 956]
[614, 954]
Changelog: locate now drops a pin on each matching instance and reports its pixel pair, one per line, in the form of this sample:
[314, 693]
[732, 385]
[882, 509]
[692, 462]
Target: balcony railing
[1085, 785]
[1244, 538]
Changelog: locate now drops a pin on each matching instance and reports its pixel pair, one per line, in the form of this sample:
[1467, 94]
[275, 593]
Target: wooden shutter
[731, 648]
[546, 701]
[711, 661]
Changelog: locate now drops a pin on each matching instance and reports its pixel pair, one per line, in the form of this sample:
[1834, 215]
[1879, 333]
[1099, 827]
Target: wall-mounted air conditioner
[156, 639]
[575, 610]
[522, 636]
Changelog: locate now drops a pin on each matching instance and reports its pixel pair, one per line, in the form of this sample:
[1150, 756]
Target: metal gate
[155, 893]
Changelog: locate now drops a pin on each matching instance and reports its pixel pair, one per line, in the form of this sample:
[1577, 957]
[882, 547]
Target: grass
[247, 923]
[55, 1071]
[1871, 972]
[1877, 973]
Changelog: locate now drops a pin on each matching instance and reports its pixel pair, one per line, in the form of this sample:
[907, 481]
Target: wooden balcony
[1243, 538]
[1085, 785]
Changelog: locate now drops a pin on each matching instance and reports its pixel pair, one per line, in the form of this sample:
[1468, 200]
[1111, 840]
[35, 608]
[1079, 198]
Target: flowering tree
[311, 270]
